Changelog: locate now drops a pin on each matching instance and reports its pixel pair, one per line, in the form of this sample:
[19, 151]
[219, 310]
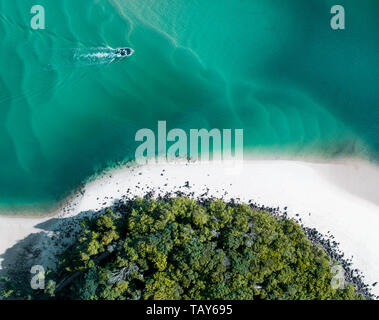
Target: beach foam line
[335, 197]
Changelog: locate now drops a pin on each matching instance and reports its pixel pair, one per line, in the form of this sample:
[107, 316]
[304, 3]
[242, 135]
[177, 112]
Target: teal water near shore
[274, 68]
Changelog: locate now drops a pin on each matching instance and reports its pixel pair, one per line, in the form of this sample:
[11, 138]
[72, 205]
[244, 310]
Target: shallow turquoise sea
[274, 68]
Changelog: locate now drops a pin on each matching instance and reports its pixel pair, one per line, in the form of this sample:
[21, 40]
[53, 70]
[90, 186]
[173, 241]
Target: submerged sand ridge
[335, 197]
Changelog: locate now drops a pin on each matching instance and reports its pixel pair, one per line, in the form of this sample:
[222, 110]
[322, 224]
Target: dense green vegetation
[180, 249]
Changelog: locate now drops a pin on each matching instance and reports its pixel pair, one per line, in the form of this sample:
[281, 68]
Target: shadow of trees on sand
[41, 248]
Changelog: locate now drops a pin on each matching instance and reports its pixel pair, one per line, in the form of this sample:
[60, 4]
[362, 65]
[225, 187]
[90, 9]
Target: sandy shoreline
[340, 197]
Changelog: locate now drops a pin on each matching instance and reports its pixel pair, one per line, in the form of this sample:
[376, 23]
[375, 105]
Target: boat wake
[94, 56]
[82, 57]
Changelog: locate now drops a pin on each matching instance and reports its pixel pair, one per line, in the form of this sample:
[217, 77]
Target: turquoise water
[274, 68]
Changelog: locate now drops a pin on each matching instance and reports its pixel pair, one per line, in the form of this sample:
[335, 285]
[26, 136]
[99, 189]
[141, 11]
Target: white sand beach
[340, 197]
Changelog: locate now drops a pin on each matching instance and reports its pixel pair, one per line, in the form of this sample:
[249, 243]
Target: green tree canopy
[179, 248]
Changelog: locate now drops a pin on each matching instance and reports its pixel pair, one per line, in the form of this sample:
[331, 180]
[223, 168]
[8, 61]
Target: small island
[175, 247]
